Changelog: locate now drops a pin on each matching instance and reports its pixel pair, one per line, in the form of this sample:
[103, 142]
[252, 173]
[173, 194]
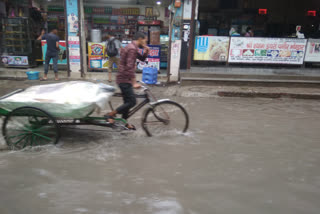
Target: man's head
[54, 31]
[140, 39]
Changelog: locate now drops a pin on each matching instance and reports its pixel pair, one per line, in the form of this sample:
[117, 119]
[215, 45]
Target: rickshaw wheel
[30, 126]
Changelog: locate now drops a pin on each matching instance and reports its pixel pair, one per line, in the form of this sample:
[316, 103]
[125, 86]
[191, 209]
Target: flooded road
[240, 156]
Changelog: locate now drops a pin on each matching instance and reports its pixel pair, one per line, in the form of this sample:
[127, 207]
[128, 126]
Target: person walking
[113, 46]
[126, 78]
[52, 52]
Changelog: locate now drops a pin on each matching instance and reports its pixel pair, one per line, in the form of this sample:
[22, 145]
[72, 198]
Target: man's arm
[131, 64]
[41, 37]
[57, 43]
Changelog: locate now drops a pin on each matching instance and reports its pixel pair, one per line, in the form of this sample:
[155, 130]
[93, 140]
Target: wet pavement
[240, 156]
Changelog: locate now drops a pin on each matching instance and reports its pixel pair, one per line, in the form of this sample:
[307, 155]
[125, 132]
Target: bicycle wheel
[29, 126]
[164, 117]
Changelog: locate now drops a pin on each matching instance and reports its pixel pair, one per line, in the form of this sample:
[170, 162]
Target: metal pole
[82, 38]
[66, 35]
[192, 27]
[169, 49]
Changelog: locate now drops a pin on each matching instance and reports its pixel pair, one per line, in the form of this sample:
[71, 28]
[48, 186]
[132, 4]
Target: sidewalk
[241, 74]
[206, 91]
[18, 73]
[16, 78]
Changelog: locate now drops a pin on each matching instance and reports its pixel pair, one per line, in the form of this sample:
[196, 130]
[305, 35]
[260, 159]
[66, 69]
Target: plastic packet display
[76, 99]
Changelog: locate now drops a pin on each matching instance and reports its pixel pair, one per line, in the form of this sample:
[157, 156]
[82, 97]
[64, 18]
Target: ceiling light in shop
[158, 2]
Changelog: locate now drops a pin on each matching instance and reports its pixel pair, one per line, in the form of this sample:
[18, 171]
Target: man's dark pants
[54, 58]
[129, 99]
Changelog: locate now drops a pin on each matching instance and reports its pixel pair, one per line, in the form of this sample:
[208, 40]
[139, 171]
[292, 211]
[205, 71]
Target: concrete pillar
[175, 43]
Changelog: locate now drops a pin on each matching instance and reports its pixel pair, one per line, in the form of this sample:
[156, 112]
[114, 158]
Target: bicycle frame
[140, 105]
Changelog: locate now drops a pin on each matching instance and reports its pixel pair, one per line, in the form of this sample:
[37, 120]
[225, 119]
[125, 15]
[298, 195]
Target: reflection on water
[239, 156]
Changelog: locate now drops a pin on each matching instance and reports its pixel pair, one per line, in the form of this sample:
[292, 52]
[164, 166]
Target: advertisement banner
[15, 60]
[72, 15]
[153, 59]
[74, 53]
[313, 51]
[96, 55]
[154, 51]
[95, 62]
[150, 62]
[96, 49]
[99, 62]
[62, 53]
[211, 48]
[267, 50]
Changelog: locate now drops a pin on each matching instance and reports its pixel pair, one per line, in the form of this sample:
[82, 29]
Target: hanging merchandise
[12, 14]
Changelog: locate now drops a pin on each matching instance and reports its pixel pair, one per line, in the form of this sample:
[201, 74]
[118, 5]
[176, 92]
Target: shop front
[122, 21]
[251, 33]
[83, 27]
[20, 25]
[22, 22]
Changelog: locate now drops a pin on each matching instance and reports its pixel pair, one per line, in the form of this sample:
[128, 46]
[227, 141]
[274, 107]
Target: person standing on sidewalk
[52, 52]
[249, 32]
[113, 51]
[126, 78]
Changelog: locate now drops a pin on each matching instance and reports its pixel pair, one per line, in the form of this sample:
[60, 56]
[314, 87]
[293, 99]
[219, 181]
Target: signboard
[96, 54]
[212, 48]
[96, 49]
[74, 53]
[72, 15]
[175, 60]
[99, 63]
[154, 51]
[15, 60]
[62, 60]
[267, 50]
[150, 62]
[153, 59]
[187, 10]
[313, 51]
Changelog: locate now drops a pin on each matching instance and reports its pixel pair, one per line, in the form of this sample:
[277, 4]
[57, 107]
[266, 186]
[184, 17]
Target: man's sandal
[130, 127]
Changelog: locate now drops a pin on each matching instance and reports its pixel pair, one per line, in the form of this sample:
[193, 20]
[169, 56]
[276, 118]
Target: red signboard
[311, 13]
[263, 11]
[146, 22]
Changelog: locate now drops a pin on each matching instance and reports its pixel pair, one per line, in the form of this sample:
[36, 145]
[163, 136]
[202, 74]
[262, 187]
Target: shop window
[228, 4]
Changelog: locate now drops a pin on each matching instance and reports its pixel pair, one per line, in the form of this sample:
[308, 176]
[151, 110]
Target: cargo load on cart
[75, 99]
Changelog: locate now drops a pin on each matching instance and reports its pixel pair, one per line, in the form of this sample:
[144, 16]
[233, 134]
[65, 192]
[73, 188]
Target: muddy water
[240, 156]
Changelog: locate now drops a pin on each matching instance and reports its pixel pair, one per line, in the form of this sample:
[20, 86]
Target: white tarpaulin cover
[74, 99]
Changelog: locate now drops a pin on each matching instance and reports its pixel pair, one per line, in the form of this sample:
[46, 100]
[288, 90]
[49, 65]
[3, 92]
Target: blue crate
[33, 75]
[150, 75]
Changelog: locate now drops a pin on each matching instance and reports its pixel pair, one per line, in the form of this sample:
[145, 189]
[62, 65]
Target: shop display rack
[16, 40]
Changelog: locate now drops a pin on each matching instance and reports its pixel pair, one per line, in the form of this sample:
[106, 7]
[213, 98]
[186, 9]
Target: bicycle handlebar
[143, 85]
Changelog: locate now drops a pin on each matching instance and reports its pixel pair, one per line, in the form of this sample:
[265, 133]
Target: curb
[268, 95]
